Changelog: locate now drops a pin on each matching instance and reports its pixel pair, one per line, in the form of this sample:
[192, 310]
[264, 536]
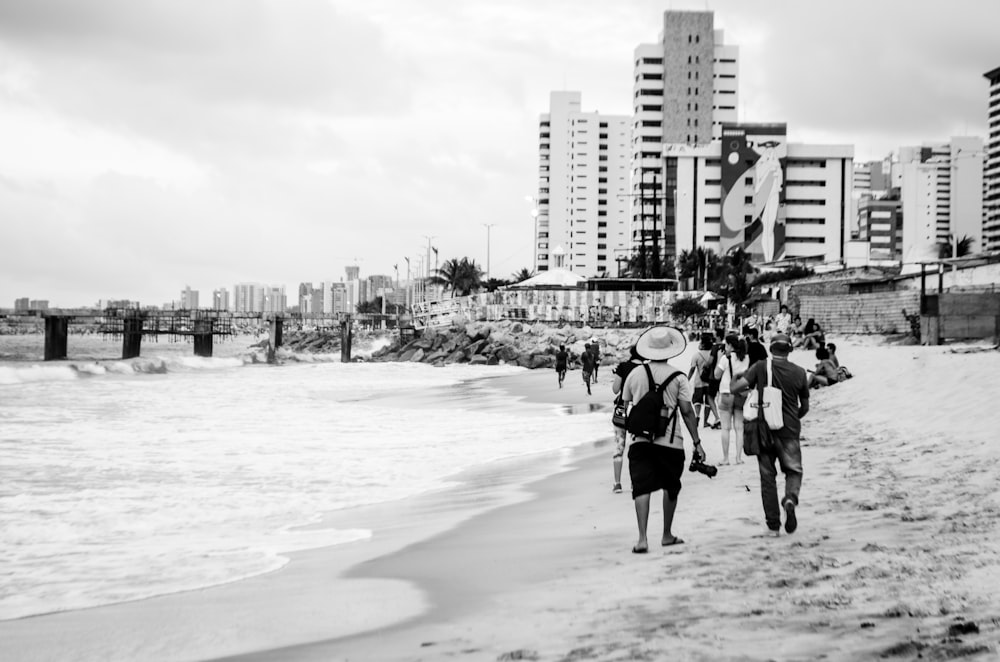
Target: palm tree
[524, 274]
[962, 247]
[462, 277]
[733, 277]
[702, 264]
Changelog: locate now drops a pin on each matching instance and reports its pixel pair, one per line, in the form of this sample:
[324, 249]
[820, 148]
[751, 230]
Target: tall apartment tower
[991, 172]
[582, 203]
[942, 195]
[685, 87]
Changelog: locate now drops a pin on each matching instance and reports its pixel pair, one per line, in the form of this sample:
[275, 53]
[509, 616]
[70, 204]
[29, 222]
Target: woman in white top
[731, 366]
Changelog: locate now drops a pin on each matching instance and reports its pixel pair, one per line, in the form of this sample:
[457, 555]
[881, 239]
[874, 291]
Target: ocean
[121, 480]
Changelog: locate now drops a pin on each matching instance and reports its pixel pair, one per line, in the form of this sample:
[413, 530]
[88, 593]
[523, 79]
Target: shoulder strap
[649, 376]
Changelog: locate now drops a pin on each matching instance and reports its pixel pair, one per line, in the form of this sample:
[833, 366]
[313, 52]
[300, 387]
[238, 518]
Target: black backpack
[708, 372]
[646, 418]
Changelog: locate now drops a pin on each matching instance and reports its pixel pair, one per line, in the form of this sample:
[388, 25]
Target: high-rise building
[880, 224]
[942, 195]
[685, 88]
[22, 304]
[38, 304]
[189, 298]
[353, 272]
[991, 172]
[752, 189]
[220, 299]
[582, 203]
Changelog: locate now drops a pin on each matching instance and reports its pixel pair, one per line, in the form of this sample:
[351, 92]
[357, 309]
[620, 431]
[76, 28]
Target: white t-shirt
[637, 384]
[727, 376]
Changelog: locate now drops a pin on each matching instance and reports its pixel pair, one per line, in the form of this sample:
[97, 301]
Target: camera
[702, 468]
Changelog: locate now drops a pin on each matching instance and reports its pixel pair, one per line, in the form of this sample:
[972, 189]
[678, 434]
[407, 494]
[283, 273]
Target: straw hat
[660, 343]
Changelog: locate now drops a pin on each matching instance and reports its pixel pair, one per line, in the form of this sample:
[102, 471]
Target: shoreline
[293, 603]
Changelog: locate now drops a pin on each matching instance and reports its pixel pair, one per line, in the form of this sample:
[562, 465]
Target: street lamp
[488, 226]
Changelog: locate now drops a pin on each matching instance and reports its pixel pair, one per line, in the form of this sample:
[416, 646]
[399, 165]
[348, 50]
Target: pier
[202, 326]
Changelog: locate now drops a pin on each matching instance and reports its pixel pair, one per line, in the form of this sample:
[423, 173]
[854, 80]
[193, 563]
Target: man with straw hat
[658, 463]
[794, 385]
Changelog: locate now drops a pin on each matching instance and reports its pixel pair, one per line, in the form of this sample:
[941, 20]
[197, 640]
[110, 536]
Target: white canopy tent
[552, 278]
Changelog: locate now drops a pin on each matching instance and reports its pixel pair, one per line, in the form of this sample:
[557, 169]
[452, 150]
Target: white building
[189, 298]
[259, 298]
[942, 195]
[685, 88]
[220, 299]
[582, 202]
[779, 201]
[991, 173]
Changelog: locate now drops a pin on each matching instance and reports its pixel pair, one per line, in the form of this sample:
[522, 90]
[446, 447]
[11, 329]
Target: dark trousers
[788, 454]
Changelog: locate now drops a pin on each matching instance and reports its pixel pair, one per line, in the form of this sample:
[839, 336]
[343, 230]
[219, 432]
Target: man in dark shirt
[562, 361]
[794, 384]
[755, 350]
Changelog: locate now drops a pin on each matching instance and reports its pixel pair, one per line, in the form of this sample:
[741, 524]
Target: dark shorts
[699, 395]
[653, 467]
[713, 388]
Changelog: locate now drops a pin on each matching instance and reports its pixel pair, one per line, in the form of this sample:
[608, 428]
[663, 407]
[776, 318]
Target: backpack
[707, 373]
[646, 418]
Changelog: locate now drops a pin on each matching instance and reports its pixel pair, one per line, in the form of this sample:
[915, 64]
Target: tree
[524, 274]
[686, 307]
[963, 247]
[793, 272]
[493, 284]
[462, 277]
[702, 264]
[374, 307]
[732, 279]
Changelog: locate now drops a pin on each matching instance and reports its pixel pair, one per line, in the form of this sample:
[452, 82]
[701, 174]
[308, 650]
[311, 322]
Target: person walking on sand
[658, 464]
[701, 366]
[587, 365]
[562, 362]
[731, 367]
[595, 349]
[794, 386]
[621, 372]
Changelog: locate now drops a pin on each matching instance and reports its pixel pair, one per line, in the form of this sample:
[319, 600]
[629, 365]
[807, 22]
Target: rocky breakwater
[509, 343]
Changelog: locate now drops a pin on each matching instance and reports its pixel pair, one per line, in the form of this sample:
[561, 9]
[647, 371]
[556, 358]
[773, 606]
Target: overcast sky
[146, 145]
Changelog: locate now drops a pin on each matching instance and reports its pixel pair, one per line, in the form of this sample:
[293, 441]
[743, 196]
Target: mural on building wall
[753, 216]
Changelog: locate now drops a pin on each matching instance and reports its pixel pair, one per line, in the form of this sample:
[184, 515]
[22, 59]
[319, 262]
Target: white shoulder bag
[770, 402]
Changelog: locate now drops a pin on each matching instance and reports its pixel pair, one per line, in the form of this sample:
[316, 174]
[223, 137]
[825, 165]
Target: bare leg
[738, 428]
[669, 506]
[618, 470]
[642, 519]
[715, 409]
[727, 423]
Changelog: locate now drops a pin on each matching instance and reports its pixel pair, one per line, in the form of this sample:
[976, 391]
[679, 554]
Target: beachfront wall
[593, 308]
[878, 312]
[961, 316]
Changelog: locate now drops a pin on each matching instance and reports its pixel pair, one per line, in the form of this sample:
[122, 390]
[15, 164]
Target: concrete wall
[879, 312]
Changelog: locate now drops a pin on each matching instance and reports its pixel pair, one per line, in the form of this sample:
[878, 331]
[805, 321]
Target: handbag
[769, 402]
[619, 416]
[757, 436]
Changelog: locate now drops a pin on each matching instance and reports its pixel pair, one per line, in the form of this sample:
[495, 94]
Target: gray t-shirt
[637, 385]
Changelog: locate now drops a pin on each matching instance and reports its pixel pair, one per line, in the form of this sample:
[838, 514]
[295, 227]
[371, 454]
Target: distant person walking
[595, 349]
[621, 373]
[587, 364]
[562, 362]
[794, 406]
[700, 374]
[658, 463]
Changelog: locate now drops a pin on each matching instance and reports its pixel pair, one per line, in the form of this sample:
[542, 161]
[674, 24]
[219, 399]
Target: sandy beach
[897, 554]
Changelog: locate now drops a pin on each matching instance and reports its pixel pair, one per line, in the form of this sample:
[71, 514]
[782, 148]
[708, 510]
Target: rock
[418, 355]
[458, 356]
[439, 355]
[508, 353]
[408, 354]
[478, 359]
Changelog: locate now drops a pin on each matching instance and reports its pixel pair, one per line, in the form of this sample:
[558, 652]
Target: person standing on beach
[788, 452]
[562, 362]
[658, 464]
[731, 367]
[783, 321]
[621, 373]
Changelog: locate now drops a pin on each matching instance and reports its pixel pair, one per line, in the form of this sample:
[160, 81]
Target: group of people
[722, 372]
[807, 335]
[590, 362]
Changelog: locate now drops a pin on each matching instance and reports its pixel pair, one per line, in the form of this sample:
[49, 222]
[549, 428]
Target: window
[813, 203]
[807, 240]
[602, 235]
[602, 247]
[543, 244]
[602, 212]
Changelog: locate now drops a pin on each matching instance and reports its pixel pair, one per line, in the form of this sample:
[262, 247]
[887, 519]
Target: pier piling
[203, 329]
[56, 335]
[345, 340]
[131, 336]
[274, 339]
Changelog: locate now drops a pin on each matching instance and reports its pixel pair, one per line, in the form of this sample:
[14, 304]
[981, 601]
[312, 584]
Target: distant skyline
[152, 145]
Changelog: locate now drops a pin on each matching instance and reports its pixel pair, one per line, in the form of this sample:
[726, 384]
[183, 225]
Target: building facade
[189, 299]
[220, 299]
[753, 190]
[685, 87]
[991, 172]
[582, 203]
[942, 195]
[259, 298]
[880, 225]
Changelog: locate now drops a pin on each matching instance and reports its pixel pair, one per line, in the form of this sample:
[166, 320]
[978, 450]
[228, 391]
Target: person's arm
[616, 385]
[691, 422]
[803, 398]
[743, 383]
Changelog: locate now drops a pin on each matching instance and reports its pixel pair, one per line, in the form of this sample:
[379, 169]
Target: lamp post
[488, 226]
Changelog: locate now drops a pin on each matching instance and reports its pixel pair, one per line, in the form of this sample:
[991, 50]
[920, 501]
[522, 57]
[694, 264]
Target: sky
[149, 145]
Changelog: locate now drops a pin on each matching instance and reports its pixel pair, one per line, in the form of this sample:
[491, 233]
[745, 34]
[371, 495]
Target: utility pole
[488, 226]
[429, 248]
